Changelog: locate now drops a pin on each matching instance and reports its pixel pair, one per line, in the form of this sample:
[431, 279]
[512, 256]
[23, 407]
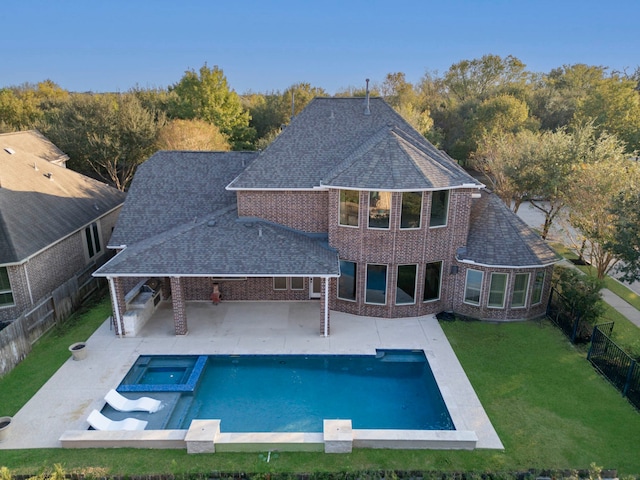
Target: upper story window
[497, 290]
[92, 240]
[473, 286]
[349, 207]
[439, 208]
[536, 296]
[519, 295]
[379, 209]
[411, 210]
[6, 295]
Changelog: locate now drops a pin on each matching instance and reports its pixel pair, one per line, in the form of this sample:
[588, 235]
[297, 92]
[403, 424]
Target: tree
[22, 107]
[191, 135]
[498, 115]
[613, 105]
[583, 292]
[625, 243]
[109, 134]
[206, 95]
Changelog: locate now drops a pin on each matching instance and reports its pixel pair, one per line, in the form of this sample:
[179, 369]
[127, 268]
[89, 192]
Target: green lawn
[548, 405]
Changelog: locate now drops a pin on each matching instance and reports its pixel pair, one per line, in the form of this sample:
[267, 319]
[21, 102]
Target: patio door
[315, 287]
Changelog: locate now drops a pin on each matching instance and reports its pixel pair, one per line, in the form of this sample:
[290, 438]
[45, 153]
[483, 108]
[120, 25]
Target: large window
[411, 210]
[519, 295]
[439, 208]
[536, 296]
[92, 238]
[349, 207]
[432, 276]
[376, 284]
[6, 295]
[347, 280]
[379, 209]
[497, 289]
[406, 284]
[473, 287]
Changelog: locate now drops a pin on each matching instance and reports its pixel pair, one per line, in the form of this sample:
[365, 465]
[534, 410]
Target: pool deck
[78, 387]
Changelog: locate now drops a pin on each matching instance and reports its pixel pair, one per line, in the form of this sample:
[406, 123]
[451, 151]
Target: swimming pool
[394, 389]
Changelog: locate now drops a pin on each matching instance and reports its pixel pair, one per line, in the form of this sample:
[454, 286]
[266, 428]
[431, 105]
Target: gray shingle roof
[498, 237]
[329, 131]
[38, 209]
[175, 187]
[223, 245]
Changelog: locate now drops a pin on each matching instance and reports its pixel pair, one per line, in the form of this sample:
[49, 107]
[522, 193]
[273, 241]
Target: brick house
[349, 205]
[54, 226]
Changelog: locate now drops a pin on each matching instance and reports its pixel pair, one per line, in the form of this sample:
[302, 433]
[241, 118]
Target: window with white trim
[379, 209]
[92, 240]
[439, 208]
[6, 294]
[406, 284]
[432, 279]
[376, 284]
[473, 287]
[497, 289]
[279, 283]
[349, 208]
[520, 286]
[538, 284]
[347, 280]
[411, 212]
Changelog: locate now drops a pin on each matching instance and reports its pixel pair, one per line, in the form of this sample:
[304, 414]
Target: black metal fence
[612, 362]
[567, 319]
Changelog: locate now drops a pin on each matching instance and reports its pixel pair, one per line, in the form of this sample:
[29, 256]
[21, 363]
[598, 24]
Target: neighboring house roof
[332, 140]
[41, 203]
[221, 245]
[498, 237]
[176, 187]
[36, 144]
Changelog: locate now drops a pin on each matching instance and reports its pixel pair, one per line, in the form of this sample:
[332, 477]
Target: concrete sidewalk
[535, 219]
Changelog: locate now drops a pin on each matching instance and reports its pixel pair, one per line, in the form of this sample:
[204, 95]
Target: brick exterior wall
[261, 288]
[51, 268]
[394, 247]
[179, 306]
[507, 313]
[301, 210]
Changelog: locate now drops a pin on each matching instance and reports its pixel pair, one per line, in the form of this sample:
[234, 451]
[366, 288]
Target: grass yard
[549, 407]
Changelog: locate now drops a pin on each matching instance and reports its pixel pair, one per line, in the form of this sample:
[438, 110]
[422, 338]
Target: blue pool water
[293, 393]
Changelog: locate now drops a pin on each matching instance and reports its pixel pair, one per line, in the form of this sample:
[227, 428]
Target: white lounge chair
[123, 404]
[99, 422]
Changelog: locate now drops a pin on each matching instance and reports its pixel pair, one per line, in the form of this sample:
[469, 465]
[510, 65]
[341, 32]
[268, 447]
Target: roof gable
[327, 133]
[41, 203]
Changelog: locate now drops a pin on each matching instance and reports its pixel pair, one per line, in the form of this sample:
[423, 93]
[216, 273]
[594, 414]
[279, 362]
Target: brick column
[119, 303]
[324, 307]
[179, 306]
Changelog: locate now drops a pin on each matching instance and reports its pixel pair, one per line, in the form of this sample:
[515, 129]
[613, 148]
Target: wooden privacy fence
[16, 338]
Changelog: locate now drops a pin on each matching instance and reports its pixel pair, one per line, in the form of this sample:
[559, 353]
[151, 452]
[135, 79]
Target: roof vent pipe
[367, 110]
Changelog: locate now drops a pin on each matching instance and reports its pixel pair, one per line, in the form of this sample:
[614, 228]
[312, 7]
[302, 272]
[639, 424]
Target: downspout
[326, 306]
[26, 275]
[116, 307]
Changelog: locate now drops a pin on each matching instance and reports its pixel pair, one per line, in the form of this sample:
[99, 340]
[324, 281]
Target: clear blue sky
[263, 45]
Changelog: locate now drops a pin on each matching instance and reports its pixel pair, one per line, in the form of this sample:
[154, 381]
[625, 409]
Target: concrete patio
[65, 401]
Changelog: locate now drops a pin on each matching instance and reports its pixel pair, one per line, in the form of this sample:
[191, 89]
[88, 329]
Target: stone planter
[5, 427]
[78, 350]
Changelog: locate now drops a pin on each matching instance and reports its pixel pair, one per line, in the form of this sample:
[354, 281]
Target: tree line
[563, 140]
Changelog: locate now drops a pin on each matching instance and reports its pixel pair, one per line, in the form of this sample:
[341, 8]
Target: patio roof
[223, 245]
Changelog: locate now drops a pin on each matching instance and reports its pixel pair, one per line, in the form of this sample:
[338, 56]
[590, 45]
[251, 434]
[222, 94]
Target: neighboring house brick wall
[305, 211]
